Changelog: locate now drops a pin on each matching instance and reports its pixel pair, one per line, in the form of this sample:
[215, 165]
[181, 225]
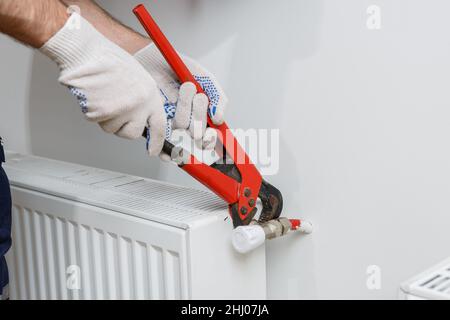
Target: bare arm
[32, 22]
[123, 36]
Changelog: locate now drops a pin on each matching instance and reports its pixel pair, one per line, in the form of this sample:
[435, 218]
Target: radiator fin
[432, 284]
[111, 266]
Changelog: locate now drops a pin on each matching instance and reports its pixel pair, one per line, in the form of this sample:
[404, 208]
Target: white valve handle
[247, 238]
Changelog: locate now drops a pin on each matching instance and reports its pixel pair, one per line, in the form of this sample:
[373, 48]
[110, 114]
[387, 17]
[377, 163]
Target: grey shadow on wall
[269, 36]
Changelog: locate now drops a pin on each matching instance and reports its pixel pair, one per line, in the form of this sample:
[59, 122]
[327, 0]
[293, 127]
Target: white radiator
[86, 233]
[432, 284]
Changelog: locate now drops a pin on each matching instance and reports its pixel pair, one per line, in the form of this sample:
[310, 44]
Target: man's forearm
[124, 37]
[32, 22]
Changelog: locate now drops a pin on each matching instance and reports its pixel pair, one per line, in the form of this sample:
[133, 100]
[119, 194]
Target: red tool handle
[169, 53]
[227, 188]
[164, 46]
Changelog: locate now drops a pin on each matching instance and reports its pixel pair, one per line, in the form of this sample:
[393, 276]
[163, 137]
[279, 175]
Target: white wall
[15, 72]
[364, 119]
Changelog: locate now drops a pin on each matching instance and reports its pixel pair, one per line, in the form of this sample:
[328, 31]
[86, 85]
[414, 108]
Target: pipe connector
[248, 238]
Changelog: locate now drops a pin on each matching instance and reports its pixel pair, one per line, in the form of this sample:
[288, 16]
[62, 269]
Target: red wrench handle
[164, 46]
[229, 189]
[169, 53]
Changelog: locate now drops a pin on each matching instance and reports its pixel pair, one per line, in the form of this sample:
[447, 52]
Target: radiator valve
[248, 238]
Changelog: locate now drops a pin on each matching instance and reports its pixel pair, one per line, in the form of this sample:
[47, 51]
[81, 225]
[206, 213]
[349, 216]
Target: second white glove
[191, 108]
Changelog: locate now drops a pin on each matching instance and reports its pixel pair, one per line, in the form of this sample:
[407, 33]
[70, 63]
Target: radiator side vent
[432, 284]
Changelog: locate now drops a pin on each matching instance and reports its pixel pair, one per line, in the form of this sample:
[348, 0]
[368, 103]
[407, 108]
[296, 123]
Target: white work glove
[186, 109]
[112, 88]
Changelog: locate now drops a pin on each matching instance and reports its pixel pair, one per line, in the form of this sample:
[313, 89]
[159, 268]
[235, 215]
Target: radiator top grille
[149, 199]
[431, 284]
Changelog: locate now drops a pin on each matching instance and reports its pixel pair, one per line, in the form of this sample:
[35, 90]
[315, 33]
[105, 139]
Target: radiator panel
[49, 248]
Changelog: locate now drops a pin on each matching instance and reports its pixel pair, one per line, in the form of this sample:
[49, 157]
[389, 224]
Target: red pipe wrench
[238, 183]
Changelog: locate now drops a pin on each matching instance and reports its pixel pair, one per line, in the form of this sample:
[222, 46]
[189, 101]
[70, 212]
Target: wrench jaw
[271, 199]
[272, 205]
[272, 202]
